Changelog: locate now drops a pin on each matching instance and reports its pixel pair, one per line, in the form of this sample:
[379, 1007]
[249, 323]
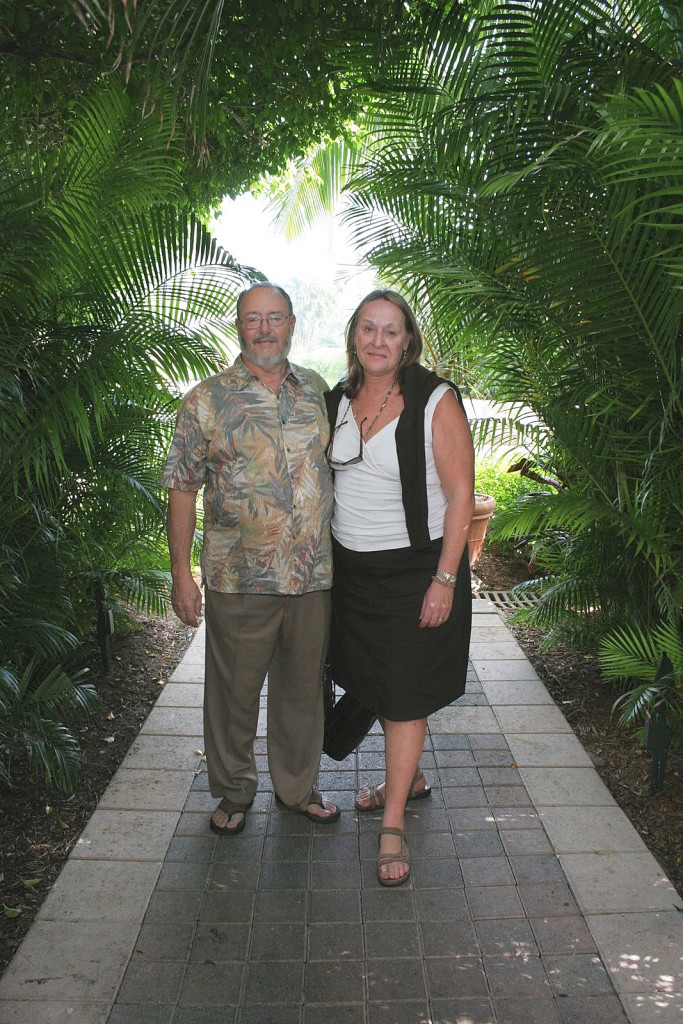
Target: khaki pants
[247, 636]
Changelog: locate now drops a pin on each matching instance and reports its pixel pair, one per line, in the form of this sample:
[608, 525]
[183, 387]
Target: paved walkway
[532, 900]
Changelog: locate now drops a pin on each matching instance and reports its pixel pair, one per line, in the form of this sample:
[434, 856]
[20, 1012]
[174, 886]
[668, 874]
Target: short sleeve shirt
[260, 458]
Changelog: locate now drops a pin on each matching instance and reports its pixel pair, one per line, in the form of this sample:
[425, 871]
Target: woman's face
[381, 338]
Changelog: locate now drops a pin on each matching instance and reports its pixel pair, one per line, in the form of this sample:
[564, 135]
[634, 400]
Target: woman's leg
[403, 746]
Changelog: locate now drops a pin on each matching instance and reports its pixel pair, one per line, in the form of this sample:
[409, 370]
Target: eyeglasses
[252, 323]
[336, 463]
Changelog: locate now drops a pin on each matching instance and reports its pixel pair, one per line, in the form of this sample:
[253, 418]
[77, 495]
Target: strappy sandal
[376, 796]
[229, 807]
[384, 859]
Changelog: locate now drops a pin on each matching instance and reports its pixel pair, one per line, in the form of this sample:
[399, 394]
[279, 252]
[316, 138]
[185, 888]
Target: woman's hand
[436, 606]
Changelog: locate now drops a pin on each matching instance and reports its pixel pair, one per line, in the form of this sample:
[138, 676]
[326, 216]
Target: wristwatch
[447, 578]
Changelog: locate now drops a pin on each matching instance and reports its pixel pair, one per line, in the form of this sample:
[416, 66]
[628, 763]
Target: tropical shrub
[493, 476]
[110, 299]
[33, 708]
[520, 179]
[650, 668]
[519, 175]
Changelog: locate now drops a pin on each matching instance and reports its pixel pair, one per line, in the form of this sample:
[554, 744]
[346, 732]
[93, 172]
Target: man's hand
[186, 598]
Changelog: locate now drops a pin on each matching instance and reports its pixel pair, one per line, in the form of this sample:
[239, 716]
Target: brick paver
[531, 898]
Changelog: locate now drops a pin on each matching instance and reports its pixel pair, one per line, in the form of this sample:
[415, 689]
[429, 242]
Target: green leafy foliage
[492, 477]
[519, 175]
[521, 181]
[110, 300]
[32, 707]
[633, 657]
[245, 84]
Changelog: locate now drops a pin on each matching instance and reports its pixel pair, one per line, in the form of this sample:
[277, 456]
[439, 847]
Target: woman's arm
[454, 461]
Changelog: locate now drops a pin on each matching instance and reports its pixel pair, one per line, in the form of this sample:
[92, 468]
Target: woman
[402, 454]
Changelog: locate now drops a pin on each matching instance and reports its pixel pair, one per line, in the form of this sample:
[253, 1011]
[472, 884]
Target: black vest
[418, 384]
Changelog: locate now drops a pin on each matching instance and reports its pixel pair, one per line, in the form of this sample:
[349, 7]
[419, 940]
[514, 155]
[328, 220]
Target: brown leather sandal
[384, 859]
[376, 796]
[316, 800]
[229, 807]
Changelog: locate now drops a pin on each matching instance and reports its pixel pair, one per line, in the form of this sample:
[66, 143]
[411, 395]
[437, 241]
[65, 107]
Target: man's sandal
[385, 859]
[376, 795]
[317, 800]
[230, 808]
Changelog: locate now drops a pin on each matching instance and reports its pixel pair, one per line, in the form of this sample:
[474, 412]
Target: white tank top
[368, 506]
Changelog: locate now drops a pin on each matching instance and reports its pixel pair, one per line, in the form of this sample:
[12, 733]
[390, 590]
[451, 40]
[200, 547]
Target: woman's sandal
[229, 807]
[376, 796]
[384, 859]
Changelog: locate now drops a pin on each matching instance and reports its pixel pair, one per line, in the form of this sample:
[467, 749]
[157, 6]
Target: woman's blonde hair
[356, 376]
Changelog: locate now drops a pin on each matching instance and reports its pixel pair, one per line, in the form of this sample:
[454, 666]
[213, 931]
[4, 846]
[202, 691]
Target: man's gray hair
[264, 284]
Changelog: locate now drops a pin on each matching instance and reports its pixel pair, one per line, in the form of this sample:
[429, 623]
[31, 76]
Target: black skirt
[378, 653]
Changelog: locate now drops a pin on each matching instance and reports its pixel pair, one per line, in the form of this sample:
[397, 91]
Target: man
[254, 437]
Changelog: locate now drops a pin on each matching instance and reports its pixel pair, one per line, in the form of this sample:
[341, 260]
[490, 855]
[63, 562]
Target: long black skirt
[378, 653]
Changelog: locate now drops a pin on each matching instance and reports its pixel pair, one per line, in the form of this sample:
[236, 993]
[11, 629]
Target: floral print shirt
[260, 457]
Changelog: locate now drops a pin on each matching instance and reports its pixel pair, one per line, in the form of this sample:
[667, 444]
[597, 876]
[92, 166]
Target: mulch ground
[38, 828]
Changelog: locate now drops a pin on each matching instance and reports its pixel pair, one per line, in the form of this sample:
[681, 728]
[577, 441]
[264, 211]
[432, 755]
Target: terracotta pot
[484, 505]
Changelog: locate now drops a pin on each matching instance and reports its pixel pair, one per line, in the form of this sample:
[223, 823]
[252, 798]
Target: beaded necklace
[364, 433]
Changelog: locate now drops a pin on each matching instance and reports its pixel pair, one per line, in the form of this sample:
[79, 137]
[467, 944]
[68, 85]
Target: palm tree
[108, 293]
[109, 299]
[246, 83]
[521, 181]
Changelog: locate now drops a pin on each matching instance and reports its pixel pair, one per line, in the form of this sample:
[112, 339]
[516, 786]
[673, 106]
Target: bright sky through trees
[320, 271]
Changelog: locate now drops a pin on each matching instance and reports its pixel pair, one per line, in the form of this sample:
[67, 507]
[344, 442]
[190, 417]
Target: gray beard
[267, 362]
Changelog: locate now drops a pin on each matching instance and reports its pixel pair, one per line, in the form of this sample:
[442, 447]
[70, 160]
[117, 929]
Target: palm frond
[629, 652]
[513, 192]
[31, 726]
[111, 301]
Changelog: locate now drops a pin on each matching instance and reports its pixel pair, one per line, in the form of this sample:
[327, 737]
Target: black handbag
[347, 722]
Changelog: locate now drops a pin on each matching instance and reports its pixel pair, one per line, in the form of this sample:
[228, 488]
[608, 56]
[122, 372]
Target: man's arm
[181, 521]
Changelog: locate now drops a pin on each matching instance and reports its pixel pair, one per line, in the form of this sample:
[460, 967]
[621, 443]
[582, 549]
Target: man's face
[263, 344]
